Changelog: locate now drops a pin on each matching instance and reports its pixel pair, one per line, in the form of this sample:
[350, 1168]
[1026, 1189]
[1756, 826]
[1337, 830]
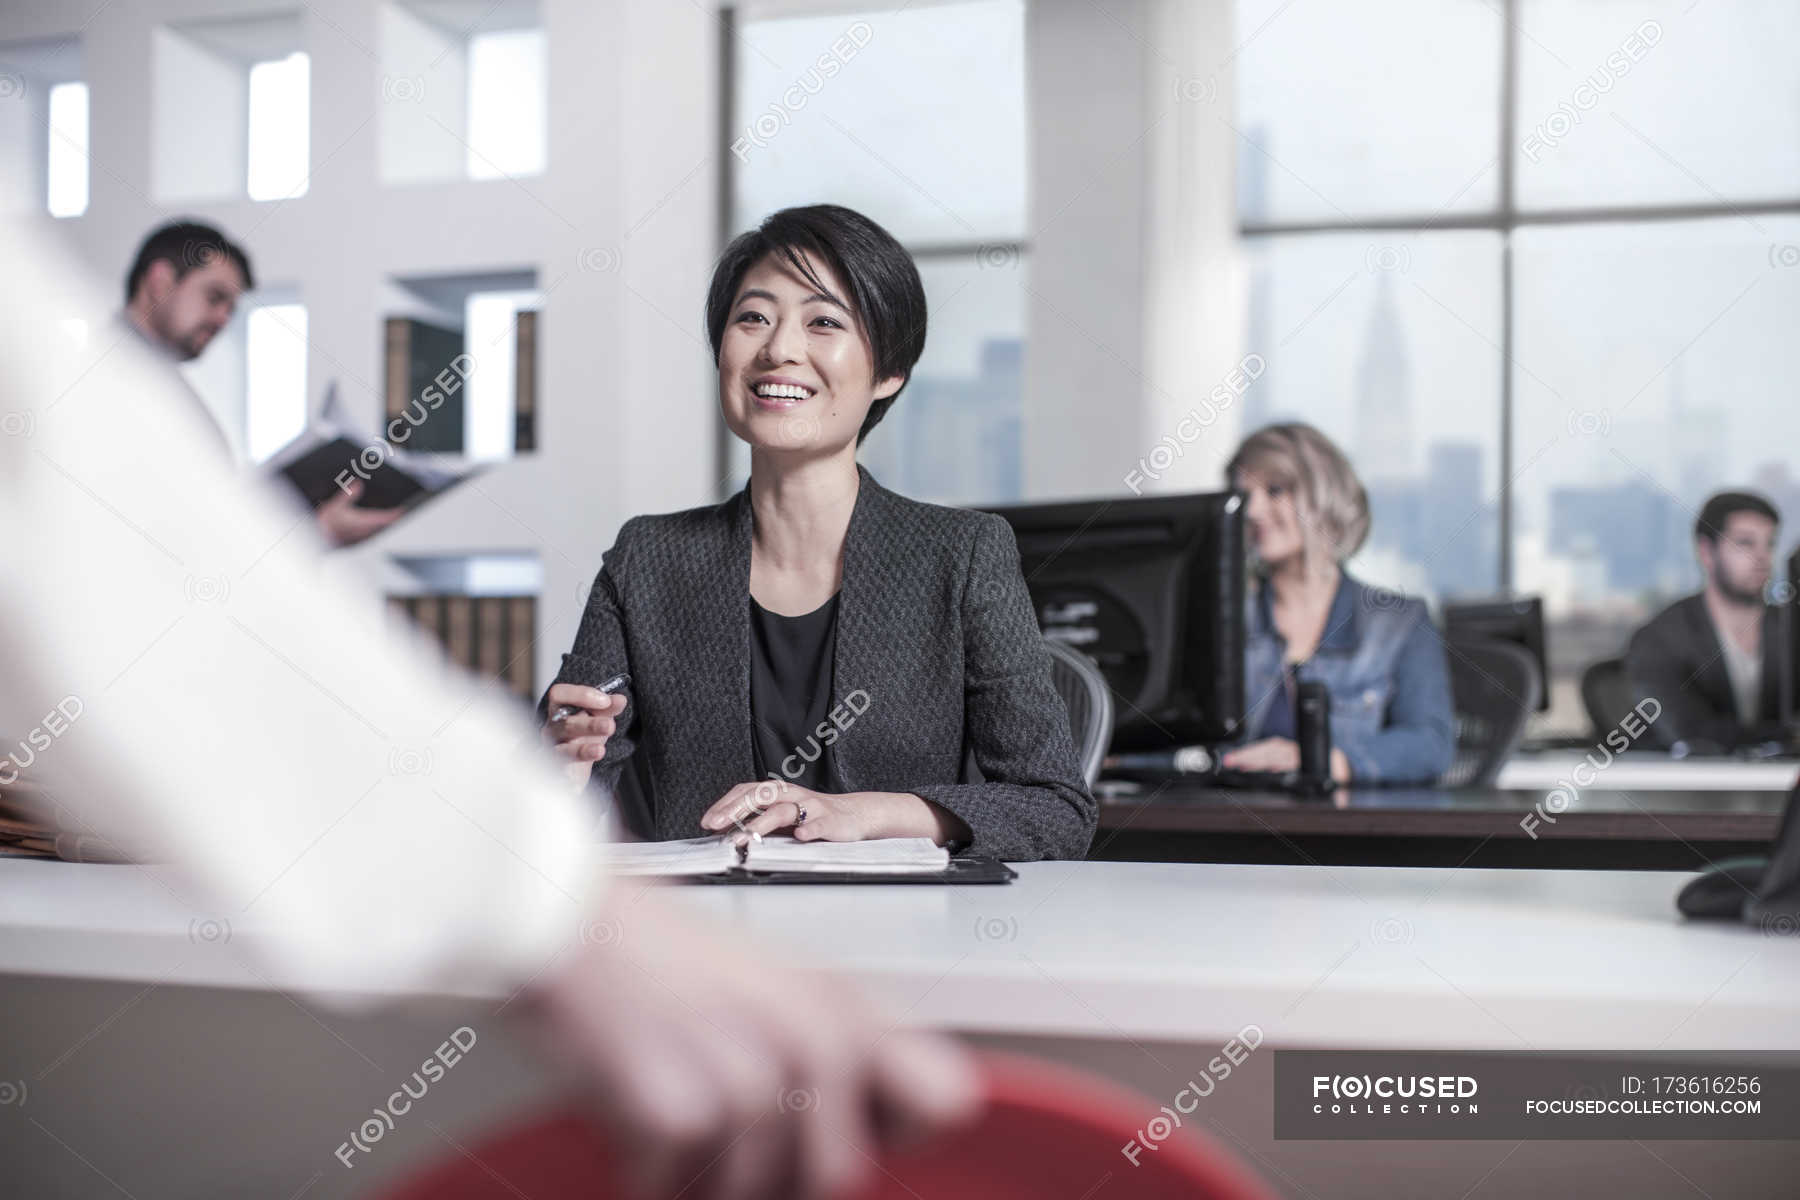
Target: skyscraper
[1384, 417]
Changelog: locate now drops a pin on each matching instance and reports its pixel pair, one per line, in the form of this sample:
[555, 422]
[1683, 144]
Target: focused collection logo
[1394, 1095]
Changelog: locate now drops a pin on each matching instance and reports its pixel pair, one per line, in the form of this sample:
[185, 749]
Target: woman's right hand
[580, 738]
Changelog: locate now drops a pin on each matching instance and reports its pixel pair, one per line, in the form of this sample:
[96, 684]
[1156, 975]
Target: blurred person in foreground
[244, 732]
[182, 290]
[1376, 652]
[1712, 660]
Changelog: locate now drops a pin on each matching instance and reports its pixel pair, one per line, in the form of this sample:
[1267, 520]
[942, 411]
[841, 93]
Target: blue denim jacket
[1383, 663]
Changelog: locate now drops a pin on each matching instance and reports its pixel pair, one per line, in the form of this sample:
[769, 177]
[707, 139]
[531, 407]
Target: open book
[328, 455]
[718, 856]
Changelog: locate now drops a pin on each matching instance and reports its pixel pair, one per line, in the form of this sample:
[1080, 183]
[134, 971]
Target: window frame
[1014, 249]
[1505, 218]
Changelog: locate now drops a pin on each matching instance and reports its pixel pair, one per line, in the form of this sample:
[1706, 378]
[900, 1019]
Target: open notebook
[718, 856]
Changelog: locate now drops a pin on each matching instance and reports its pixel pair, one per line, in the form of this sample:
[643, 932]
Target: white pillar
[1136, 292]
[1083, 366]
[1194, 281]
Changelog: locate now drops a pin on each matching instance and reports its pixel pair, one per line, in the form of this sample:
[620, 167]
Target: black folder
[973, 869]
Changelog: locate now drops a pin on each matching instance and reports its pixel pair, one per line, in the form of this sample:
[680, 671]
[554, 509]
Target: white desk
[1138, 971]
[1351, 956]
[1544, 771]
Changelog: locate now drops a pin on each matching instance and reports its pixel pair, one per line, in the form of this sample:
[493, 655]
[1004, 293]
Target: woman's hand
[769, 805]
[1281, 754]
[581, 737]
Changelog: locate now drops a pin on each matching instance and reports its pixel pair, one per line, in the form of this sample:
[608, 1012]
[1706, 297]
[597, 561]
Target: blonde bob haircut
[1329, 499]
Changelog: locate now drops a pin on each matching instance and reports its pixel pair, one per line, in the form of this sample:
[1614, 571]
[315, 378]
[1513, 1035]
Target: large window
[1534, 265]
[854, 109]
[1388, 346]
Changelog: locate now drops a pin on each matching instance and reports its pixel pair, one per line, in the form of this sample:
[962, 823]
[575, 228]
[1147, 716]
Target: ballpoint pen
[566, 711]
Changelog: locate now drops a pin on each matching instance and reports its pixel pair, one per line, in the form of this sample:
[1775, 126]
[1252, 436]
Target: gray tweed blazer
[934, 626]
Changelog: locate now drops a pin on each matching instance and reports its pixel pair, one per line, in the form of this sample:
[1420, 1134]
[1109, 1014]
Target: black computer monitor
[1151, 588]
[1519, 621]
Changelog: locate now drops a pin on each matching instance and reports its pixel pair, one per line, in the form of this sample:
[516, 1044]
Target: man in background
[183, 288]
[1713, 660]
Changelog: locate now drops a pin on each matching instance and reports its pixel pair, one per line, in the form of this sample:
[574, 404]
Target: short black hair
[1719, 506]
[187, 245]
[886, 296]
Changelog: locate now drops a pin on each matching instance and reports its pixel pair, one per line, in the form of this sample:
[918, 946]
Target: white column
[669, 182]
[1194, 281]
[1084, 382]
[1136, 289]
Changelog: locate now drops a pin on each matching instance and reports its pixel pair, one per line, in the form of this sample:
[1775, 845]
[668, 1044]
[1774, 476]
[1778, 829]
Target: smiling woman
[747, 627]
[865, 327]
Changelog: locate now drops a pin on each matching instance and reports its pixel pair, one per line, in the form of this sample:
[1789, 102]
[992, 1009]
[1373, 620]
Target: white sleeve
[205, 687]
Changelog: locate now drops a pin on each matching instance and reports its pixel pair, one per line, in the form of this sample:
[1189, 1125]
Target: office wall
[620, 229]
[1131, 165]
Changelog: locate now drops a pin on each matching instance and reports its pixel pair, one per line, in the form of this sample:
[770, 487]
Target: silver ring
[801, 818]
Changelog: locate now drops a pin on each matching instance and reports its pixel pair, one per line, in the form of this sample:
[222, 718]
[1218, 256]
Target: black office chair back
[1494, 688]
[1606, 694]
[1083, 689]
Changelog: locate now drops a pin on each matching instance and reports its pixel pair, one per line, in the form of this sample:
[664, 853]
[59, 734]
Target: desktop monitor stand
[1759, 890]
[1778, 896]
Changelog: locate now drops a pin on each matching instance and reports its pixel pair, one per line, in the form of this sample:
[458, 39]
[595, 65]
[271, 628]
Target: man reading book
[182, 289]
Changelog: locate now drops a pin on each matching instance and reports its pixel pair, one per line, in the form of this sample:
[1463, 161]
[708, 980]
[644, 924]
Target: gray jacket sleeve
[1034, 803]
[598, 654]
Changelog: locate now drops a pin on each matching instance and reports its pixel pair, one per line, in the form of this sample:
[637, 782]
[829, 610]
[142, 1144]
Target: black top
[790, 694]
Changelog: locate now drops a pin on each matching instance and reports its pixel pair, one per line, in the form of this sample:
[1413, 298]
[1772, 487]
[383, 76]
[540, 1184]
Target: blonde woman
[1376, 652]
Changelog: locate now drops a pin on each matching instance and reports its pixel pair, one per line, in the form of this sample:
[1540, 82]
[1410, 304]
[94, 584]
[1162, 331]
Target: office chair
[1494, 687]
[1045, 1127]
[1606, 694]
[1083, 689]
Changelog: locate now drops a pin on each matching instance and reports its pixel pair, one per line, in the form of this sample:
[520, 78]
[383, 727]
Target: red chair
[1049, 1131]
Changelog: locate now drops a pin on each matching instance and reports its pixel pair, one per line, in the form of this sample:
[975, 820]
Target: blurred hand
[716, 1074]
[581, 738]
[344, 524]
[1281, 754]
